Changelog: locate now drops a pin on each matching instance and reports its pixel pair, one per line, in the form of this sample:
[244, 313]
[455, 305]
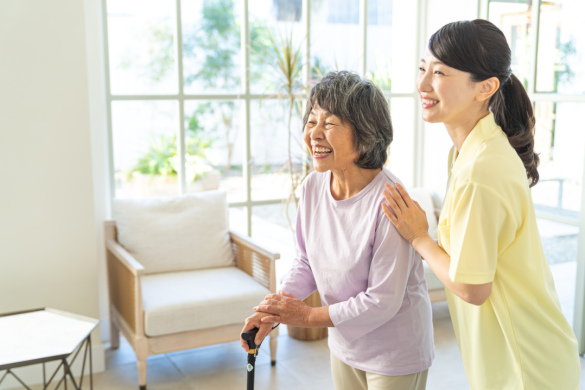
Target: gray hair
[358, 102]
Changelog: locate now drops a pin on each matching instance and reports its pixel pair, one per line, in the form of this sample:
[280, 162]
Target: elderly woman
[370, 280]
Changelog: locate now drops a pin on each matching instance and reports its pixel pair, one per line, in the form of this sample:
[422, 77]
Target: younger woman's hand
[405, 214]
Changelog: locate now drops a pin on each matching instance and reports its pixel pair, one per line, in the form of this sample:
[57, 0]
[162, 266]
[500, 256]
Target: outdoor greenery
[162, 159]
[213, 44]
[287, 60]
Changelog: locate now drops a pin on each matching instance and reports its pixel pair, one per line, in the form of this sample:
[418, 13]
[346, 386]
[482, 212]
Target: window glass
[392, 63]
[335, 36]
[211, 46]
[561, 47]
[141, 38]
[514, 19]
[145, 148]
[237, 220]
[271, 175]
[213, 147]
[561, 146]
[276, 38]
[437, 144]
[270, 227]
[401, 156]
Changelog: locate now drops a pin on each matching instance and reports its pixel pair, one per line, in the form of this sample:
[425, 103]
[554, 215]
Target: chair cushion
[179, 233]
[425, 199]
[190, 300]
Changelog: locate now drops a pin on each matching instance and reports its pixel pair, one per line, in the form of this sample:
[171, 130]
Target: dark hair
[478, 47]
[361, 104]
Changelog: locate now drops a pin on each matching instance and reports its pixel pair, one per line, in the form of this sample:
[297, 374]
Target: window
[197, 102]
[548, 48]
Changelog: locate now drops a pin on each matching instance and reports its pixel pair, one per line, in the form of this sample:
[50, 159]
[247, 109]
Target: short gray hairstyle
[360, 103]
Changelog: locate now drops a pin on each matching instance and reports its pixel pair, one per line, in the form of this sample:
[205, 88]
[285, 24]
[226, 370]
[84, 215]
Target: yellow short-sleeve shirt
[519, 338]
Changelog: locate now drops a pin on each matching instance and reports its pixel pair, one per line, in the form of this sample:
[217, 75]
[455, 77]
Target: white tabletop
[41, 334]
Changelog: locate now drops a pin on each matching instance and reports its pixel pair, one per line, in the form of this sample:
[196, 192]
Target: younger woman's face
[447, 95]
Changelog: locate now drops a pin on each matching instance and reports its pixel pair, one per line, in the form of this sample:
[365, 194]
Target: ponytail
[513, 112]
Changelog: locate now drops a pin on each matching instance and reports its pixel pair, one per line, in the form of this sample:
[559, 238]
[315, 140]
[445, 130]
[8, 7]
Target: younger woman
[505, 310]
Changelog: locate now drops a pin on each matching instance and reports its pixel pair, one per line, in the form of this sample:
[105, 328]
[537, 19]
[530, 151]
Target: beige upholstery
[425, 199]
[176, 233]
[161, 312]
[190, 300]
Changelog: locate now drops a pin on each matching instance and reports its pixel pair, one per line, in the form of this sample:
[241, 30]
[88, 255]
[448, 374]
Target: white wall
[48, 239]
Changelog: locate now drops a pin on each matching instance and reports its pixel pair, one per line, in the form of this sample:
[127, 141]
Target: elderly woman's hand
[255, 321]
[405, 214]
[286, 309]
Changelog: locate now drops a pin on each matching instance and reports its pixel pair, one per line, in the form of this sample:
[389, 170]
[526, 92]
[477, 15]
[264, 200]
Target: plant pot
[208, 181]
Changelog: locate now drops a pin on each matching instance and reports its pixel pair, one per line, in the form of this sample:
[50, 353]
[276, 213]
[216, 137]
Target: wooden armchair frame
[127, 312]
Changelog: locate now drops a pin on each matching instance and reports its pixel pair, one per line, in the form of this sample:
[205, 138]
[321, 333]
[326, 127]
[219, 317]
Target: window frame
[534, 36]
[246, 97]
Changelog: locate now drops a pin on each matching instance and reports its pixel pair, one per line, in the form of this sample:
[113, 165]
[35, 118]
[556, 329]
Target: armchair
[157, 303]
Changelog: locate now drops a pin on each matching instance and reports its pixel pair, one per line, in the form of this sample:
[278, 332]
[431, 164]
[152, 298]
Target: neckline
[482, 131]
[357, 196]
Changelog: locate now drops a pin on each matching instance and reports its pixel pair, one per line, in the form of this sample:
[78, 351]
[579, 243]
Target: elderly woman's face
[331, 141]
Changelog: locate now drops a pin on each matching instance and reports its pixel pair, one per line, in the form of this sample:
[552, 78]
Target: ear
[487, 88]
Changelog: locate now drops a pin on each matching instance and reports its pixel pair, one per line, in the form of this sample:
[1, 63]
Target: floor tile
[300, 364]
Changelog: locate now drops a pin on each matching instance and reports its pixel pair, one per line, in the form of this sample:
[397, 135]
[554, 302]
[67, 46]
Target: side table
[43, 335]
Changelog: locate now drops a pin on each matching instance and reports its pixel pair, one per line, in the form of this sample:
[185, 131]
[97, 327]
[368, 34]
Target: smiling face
[447, 95]
[330, 140]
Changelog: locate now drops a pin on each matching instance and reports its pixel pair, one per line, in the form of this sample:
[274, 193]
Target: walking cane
[249, 337]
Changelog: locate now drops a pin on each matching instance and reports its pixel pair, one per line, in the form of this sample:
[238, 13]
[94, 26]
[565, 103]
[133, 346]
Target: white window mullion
[181, 140]
[306, 20]
[483, 9]
[108, 98]
[419, 138]
[364, 30]
[579, 309]
[533, 38]
[246, 166]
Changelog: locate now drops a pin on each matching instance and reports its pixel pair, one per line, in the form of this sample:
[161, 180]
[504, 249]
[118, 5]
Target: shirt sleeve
[300, 281]
[480, 228]
[392, 260]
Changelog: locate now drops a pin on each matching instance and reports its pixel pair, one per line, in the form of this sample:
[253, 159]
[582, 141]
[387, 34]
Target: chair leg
[114, 336]
[273, 345]
[141, 366]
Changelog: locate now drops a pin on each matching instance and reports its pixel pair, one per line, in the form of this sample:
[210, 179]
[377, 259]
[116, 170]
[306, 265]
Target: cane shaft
[251, 369]
[249, 337]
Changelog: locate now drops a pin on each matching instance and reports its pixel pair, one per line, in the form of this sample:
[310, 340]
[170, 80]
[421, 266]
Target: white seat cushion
[176, 233]
[190, 300]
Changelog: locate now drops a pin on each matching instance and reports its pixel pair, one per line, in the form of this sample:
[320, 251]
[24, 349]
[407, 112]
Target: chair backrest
[178, 233]
[424, 197]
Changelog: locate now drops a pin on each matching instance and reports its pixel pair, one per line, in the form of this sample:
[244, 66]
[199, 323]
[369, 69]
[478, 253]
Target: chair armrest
[124, 273]
[252, 245]
[256, 261]
[125, 258]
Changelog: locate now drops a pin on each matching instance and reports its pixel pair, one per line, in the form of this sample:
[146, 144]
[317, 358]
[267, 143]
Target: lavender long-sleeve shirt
[371, 278]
